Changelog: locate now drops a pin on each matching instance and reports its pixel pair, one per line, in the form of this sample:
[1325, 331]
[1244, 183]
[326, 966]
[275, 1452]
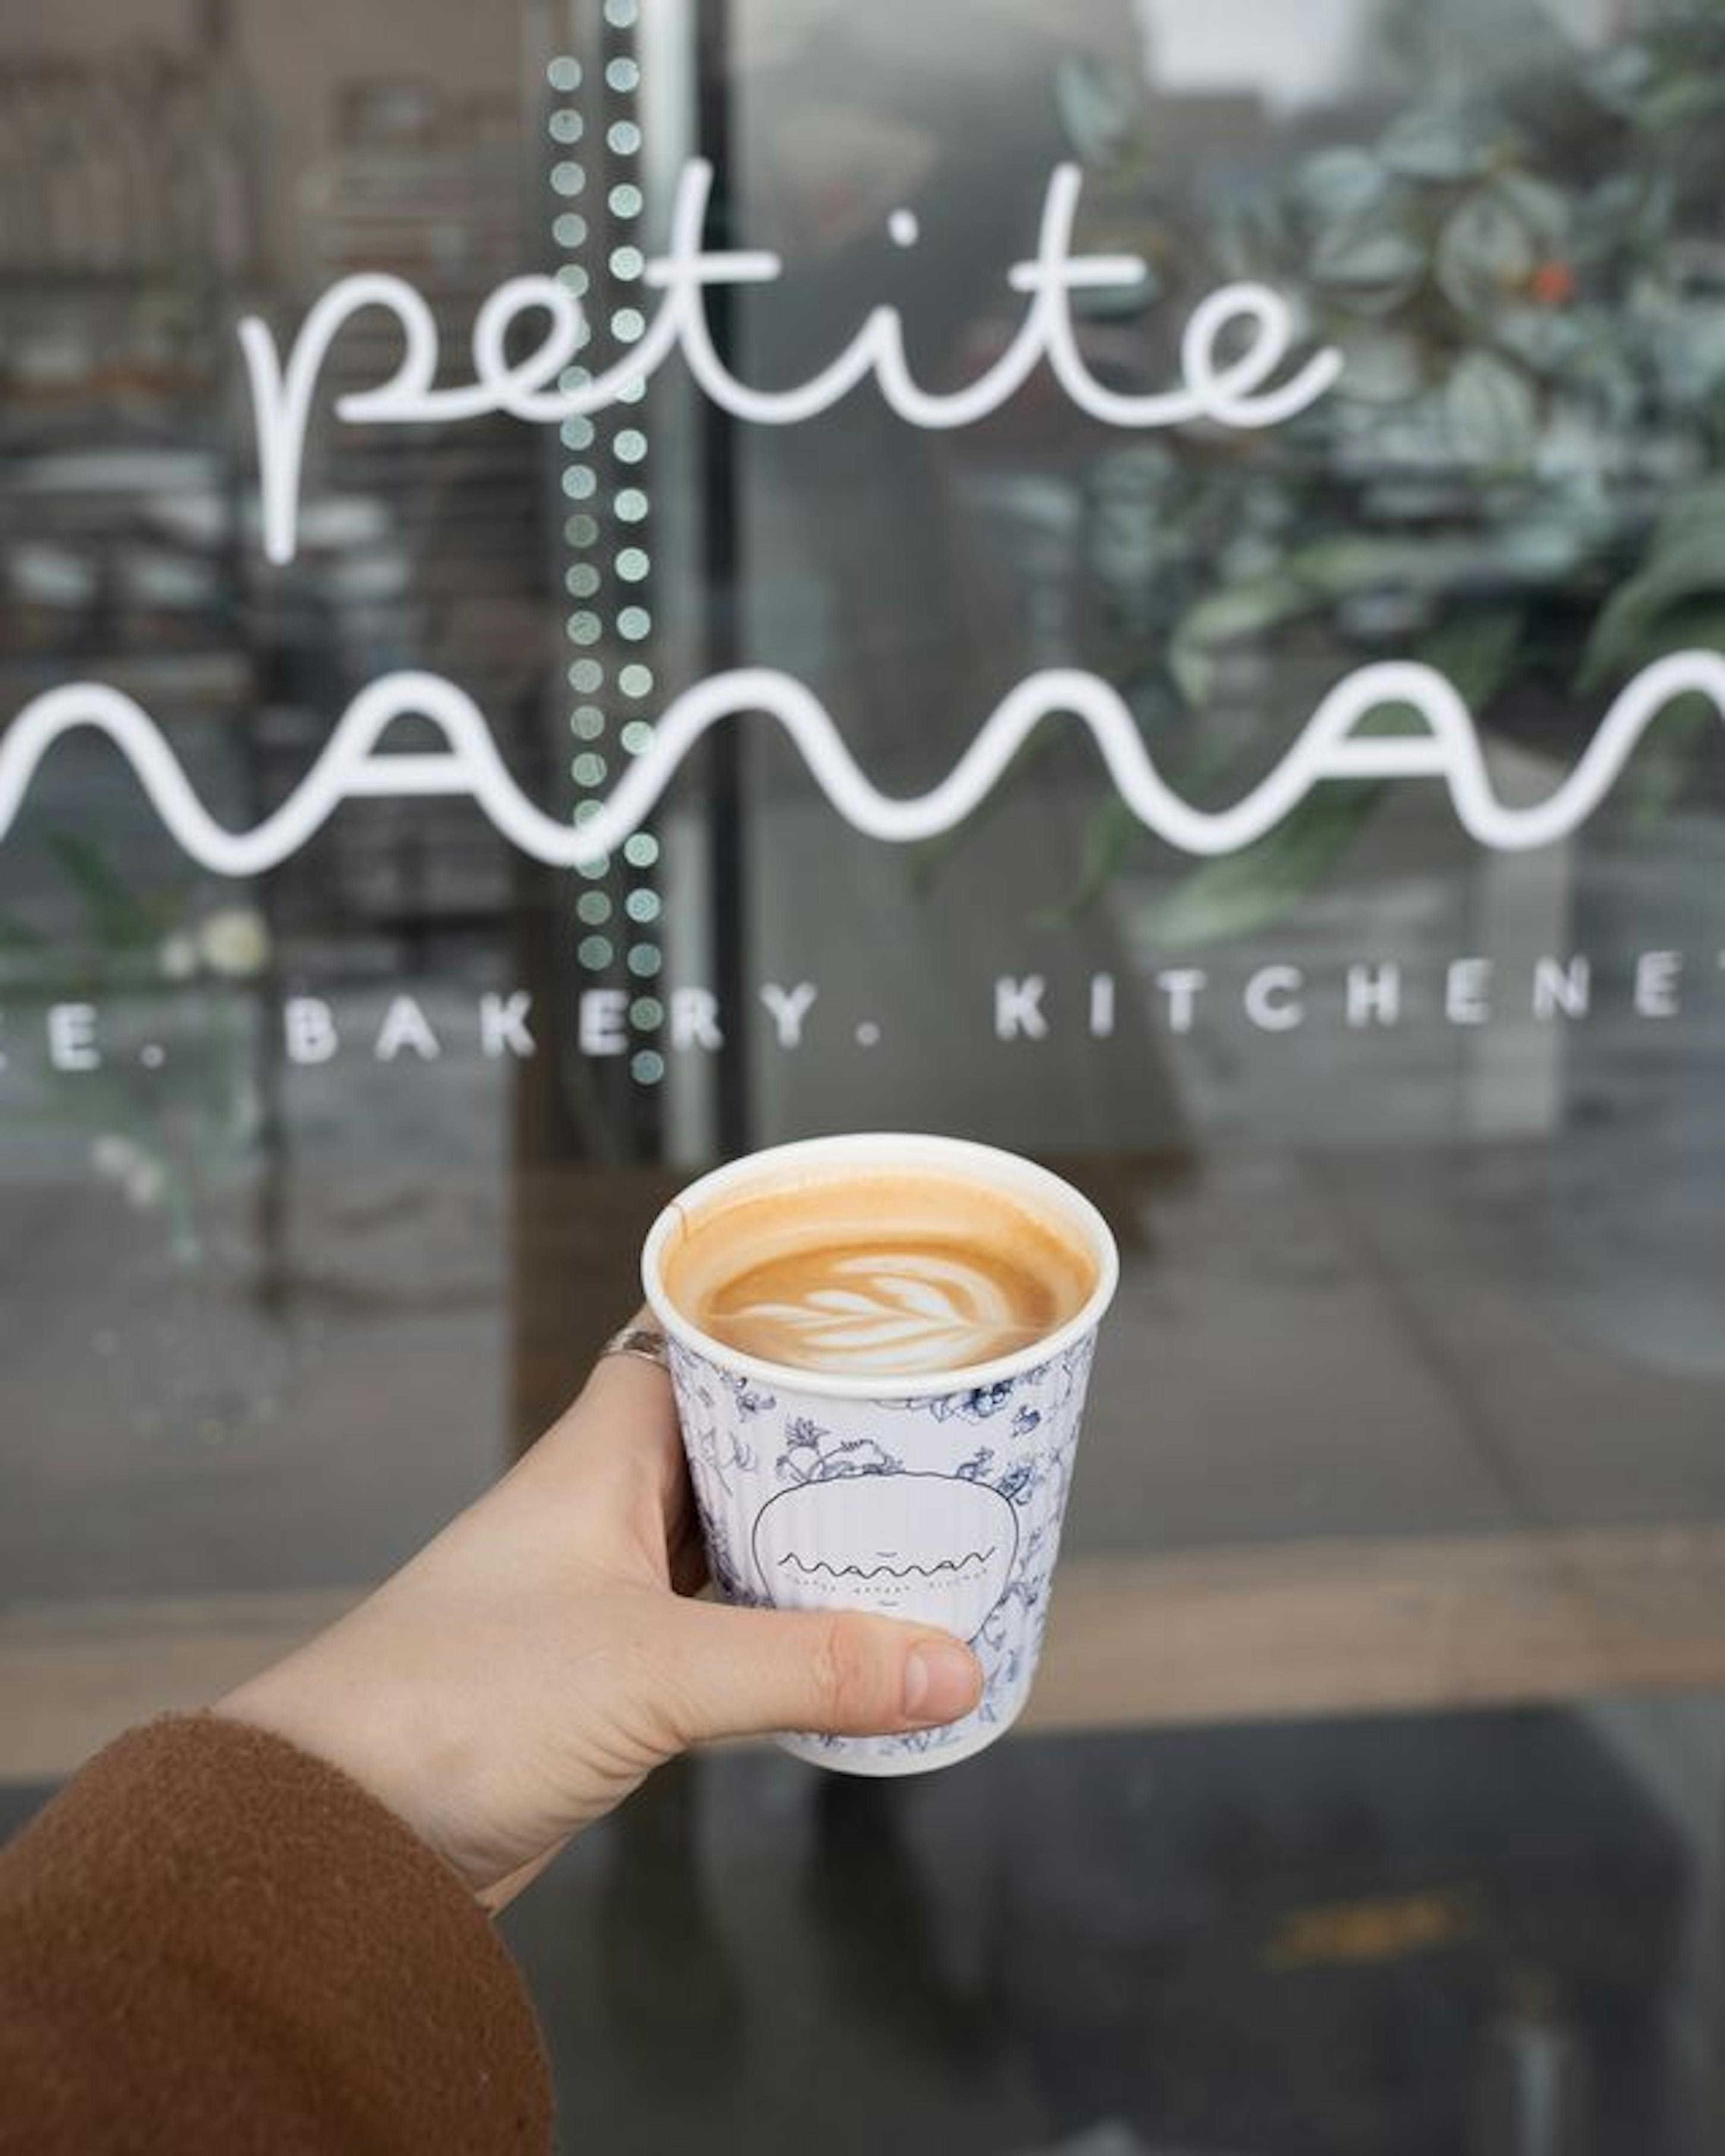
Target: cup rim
[986, 1162]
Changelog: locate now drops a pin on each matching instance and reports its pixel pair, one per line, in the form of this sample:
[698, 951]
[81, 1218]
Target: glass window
[1143, 582]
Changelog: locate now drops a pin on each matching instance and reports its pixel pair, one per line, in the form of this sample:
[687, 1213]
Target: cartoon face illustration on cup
[937, 1548]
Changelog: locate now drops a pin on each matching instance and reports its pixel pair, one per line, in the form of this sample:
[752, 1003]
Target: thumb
[746, 1672]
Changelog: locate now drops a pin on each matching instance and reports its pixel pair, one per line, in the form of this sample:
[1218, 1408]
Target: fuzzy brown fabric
[211, 1942]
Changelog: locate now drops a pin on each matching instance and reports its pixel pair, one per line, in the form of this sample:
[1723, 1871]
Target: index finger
[616, 1446]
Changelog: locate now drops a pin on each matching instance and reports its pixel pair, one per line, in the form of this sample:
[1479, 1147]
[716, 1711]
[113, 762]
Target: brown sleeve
[210, 1940]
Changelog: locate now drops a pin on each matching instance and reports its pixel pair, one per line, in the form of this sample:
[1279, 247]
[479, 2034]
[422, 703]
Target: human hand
[535, 1662]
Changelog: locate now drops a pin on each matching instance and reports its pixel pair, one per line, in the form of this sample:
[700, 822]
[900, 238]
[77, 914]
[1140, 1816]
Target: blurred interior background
[1373, 1793]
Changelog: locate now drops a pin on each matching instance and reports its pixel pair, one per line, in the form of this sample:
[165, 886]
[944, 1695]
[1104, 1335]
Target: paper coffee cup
[937, 1498]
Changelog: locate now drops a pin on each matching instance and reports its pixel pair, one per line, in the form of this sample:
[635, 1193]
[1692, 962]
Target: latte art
[924, 1307]
[877, 1276]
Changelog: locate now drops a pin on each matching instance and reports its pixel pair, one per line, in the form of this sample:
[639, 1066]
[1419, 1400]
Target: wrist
[293, 1703]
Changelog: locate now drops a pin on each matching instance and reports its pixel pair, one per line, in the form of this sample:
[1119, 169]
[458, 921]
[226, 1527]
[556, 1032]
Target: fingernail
[941, 1682]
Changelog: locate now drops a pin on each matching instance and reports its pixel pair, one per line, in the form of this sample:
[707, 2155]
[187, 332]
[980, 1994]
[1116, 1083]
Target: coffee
[881, 1344]
[875, 1274]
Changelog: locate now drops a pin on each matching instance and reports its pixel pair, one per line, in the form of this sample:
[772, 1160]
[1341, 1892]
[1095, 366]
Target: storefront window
[1145, 582]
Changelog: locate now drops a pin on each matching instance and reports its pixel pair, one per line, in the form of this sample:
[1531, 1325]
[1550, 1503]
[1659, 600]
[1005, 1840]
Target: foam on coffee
[875, 1274]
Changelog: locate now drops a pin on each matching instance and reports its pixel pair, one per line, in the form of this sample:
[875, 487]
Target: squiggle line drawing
[895, 1571]
[1328, 747]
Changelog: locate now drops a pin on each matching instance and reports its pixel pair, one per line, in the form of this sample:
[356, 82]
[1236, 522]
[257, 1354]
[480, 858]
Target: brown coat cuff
[212, 1940]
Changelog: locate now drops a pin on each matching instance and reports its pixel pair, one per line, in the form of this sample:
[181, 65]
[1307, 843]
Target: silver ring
[646, 1344]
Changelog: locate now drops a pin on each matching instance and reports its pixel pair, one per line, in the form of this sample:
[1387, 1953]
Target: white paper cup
[936, 1498]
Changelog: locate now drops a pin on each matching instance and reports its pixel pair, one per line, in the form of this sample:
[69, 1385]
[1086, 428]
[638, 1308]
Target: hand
[533, 1665]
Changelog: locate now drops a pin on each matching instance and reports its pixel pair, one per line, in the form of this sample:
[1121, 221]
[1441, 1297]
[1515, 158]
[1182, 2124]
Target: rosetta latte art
[908, 1311]
[877, 1274]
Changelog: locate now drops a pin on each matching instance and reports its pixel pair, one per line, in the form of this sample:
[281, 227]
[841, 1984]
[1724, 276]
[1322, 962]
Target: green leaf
[1336, 568]
[1434, 145]
[1340, 183]
[1305, 582]
[1371, 270]
[1235, 611]
[1689, 101]
[1660, 773]
[1544, 209]
[1685, 731]
[1477, 648]
[1492, 411]
[115, 915]
[1378, 367]
[1367, 258]
[1619, 78]
[1108, 839]
[1099, 106]
[1484, 251]
[1237, 893]
[17, 934]
[1675, 602]
[1685, 562]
